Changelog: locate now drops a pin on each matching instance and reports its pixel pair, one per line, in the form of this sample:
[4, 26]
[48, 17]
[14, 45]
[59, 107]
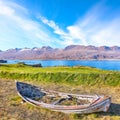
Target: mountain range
[71, 52]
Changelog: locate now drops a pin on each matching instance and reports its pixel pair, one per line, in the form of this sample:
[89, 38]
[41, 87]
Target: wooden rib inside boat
[62, 102]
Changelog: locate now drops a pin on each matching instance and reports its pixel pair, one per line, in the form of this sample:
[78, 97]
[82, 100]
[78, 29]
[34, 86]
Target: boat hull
[102, 106]
[101, 103]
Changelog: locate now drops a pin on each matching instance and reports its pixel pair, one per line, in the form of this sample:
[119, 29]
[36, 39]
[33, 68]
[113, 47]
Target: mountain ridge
[71, 52]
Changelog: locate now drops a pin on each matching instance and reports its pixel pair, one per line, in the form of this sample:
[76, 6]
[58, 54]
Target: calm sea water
[101, 64]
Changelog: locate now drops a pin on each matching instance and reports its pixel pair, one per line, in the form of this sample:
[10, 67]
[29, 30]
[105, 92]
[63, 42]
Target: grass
[77, 79]
[11, 107]
[75, 76]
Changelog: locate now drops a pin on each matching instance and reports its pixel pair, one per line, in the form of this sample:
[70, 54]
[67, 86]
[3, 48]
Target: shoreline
[109, 64]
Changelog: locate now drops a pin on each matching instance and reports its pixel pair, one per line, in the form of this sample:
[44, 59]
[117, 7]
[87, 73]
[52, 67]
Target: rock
[3, 61]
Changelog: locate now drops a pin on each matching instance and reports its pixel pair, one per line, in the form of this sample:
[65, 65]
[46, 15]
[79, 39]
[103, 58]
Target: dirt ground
[11, 107]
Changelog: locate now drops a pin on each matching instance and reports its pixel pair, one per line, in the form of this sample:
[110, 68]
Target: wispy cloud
[98, 30]
[19, 29]
[72, 35]
[91, 29]
[108, 34]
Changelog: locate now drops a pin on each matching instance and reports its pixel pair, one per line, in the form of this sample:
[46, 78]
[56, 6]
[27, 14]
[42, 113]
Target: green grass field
[77, 75]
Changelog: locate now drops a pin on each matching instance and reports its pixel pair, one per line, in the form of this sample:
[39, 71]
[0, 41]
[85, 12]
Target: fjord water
[101, 64]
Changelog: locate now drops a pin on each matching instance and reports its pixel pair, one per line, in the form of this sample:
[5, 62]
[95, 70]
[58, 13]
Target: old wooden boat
[63, 102]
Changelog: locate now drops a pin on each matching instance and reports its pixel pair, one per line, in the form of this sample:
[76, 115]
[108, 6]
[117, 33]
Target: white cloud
[99, 31]
[5, 10]
[108, 35]
[53, 25]
[19, 29]
[91, 29]
[74, 33]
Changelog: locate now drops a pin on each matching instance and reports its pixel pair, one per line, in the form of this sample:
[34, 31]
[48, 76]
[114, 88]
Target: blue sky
[58, 23]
